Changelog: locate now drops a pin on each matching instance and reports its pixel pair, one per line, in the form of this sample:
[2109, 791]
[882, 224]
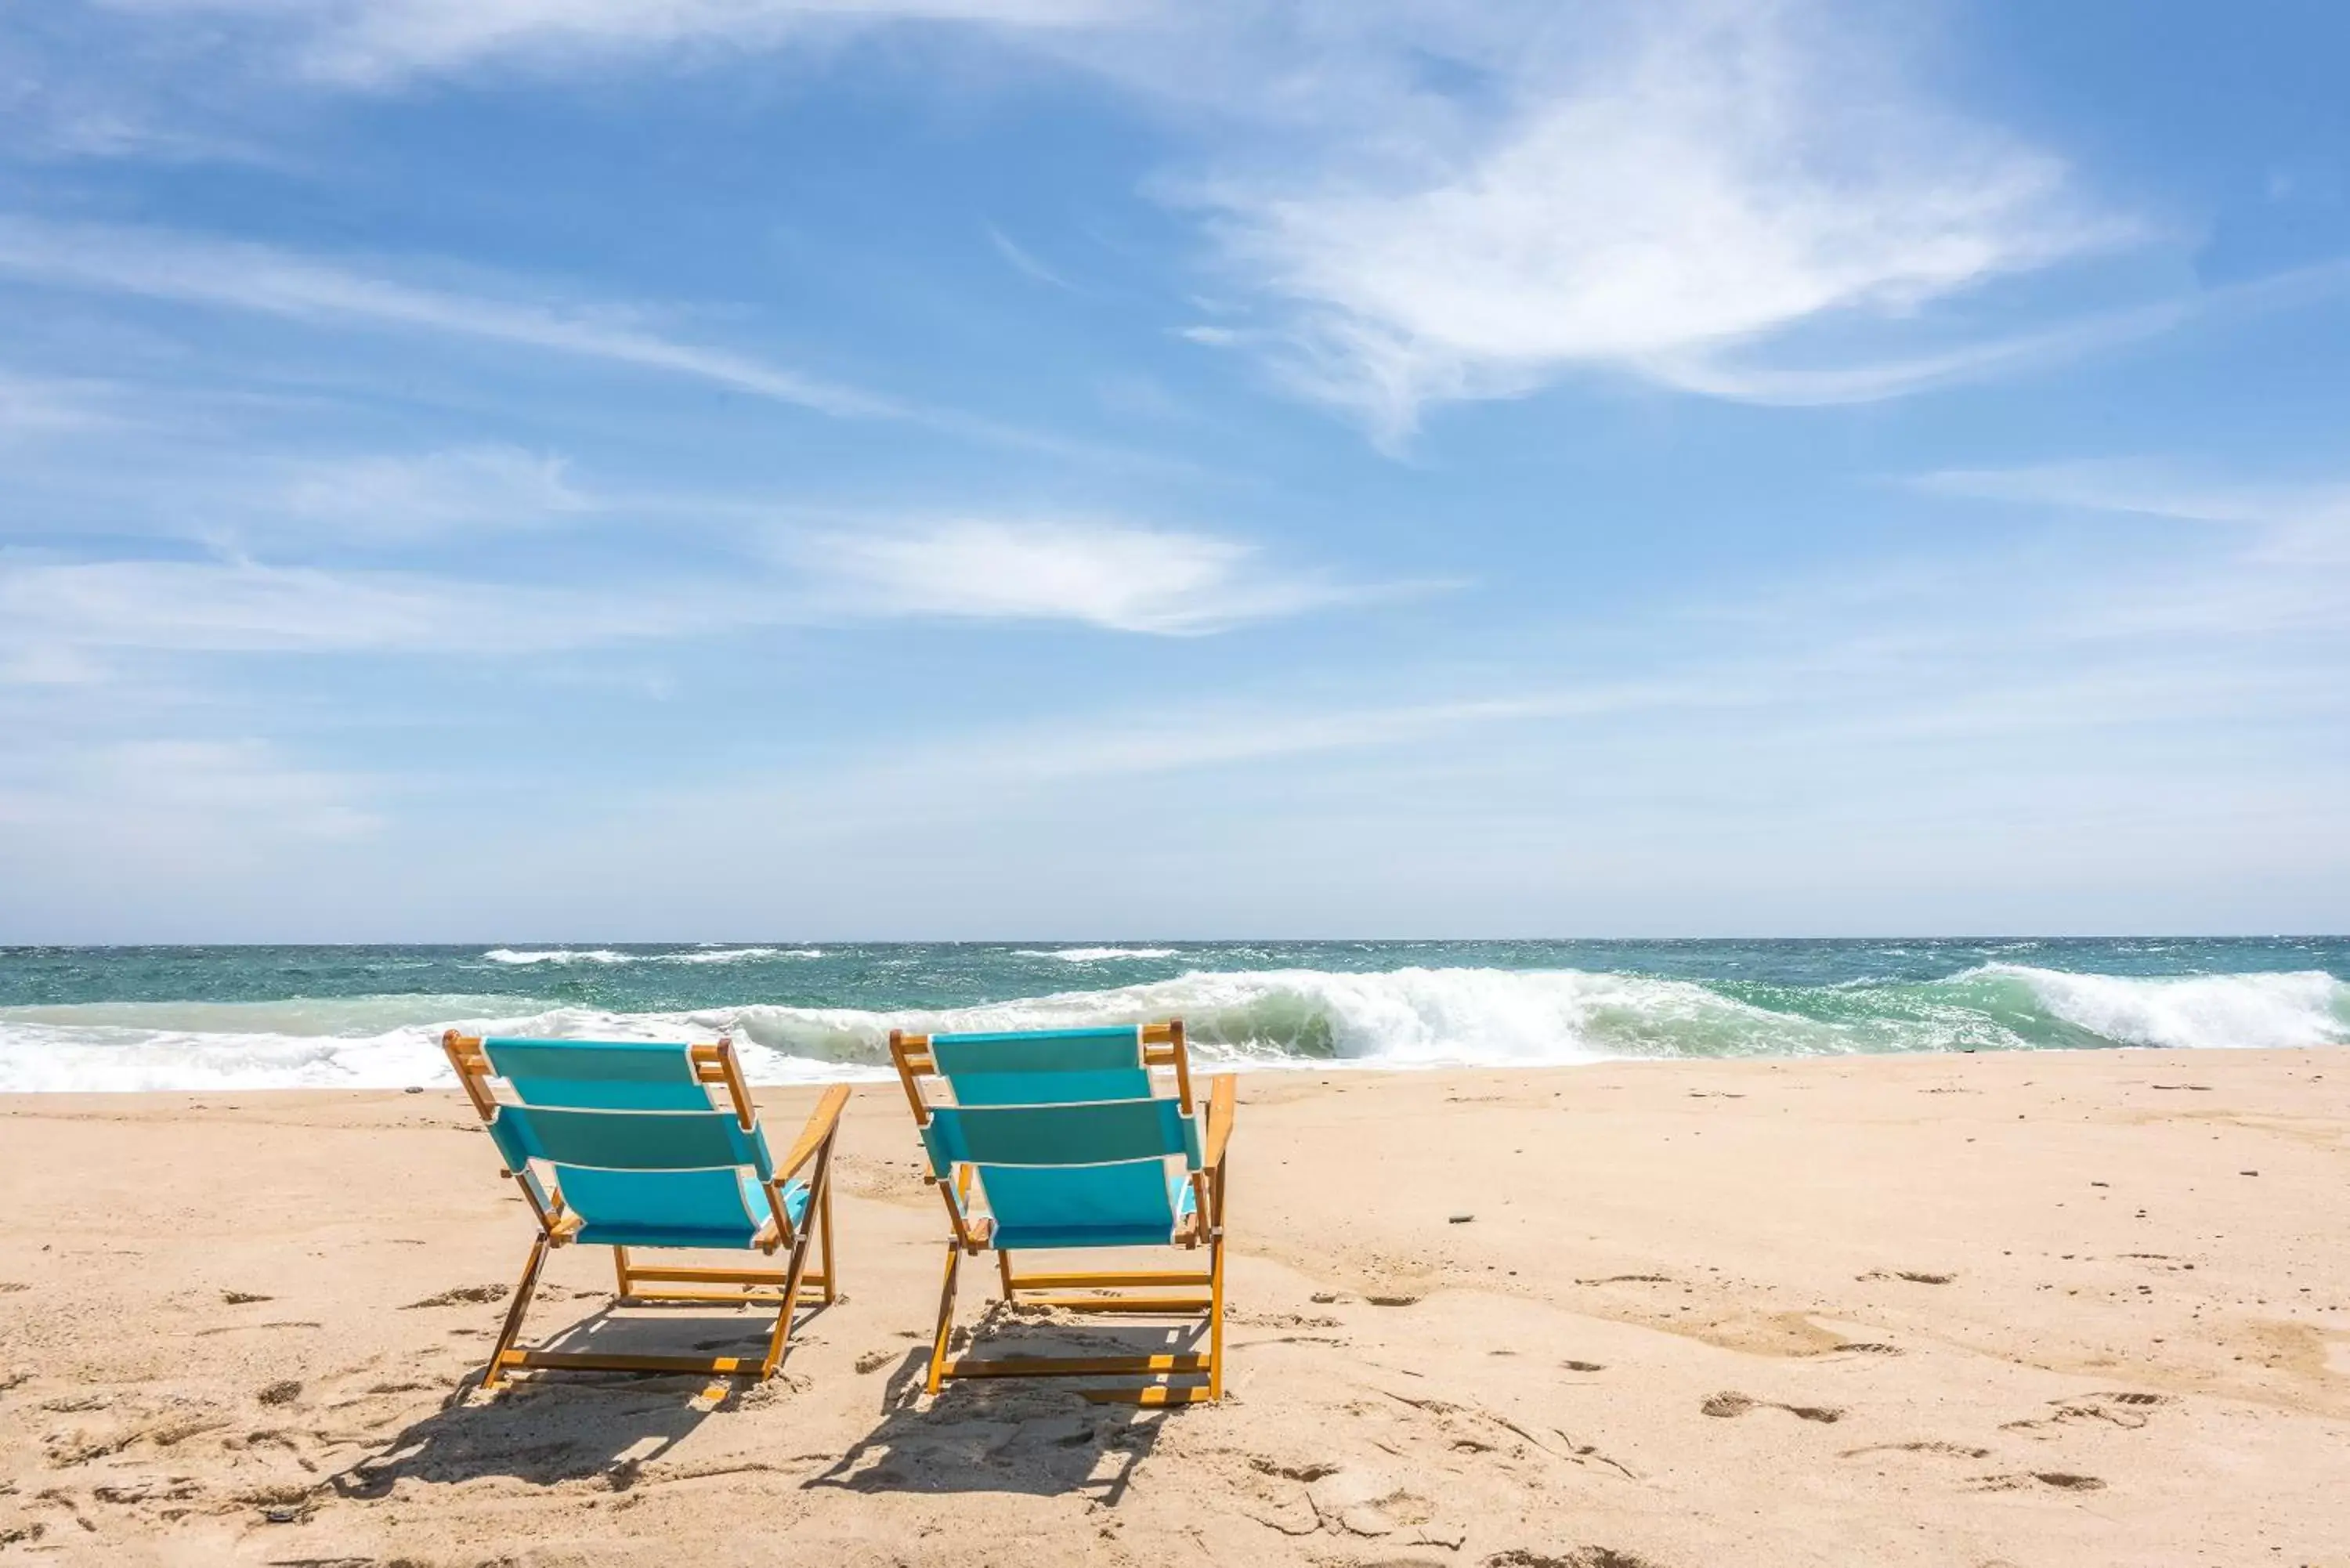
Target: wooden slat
[1075, 1365]
[718, 1299]
[1160, 1277]
[1158, 1394]
[1183, 1064]
[1223, 1091]
[1172, 1306]
[465, 1053]
[581, 1361]
[911, 1054]
[820, 1123]
[710, 1276]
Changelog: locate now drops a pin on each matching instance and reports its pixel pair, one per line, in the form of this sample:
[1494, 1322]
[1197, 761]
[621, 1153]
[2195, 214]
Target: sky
[670, 469]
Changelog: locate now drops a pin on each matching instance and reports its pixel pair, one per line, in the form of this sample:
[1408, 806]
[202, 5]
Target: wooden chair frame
[1137, 1290]
[786, 1289]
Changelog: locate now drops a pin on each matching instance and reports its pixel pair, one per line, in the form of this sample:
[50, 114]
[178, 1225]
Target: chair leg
[1004, 1268]
[621, 1270]
[824, 1213]
[1216, 1319]
[780, 1340]
[522, 1291]
[946, 1317]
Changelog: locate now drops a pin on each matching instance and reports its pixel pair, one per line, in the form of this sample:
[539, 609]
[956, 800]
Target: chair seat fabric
[1134, 1205]
[718, 1209]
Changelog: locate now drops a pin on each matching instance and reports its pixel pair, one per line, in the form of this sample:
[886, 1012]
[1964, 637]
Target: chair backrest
[1043, 1066]
[628, 1140]
[605, 1074]
[1066, 1129]
[645, 1137]
[1102, 1132]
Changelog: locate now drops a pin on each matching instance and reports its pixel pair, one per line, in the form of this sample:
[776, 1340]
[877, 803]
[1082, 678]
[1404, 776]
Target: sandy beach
[2070, 1308]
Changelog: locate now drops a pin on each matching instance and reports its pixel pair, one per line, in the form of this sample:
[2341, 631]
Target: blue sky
[674, 468]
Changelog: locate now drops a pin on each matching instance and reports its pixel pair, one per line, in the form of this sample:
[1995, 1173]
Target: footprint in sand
[2128, 1411]
[461, 1295]
[1949, 1450]
[1731, 1403]
[2063, 1480]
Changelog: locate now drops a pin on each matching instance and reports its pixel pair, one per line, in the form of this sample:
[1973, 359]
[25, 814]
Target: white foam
[1402, 1017]
[1095, 955]
[733, 955]
[558, 955]
[708, 953]
[2204, 1011]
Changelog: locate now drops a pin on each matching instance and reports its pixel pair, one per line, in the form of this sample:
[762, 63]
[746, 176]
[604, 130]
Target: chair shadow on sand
[560, 1427]
[1009, 1435]
[982, 1435]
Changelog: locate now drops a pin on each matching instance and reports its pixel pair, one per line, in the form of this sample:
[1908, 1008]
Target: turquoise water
[370, 1016]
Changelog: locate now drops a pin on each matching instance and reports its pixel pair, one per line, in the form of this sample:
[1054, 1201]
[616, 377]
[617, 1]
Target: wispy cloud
[243, 607]
[177, 795]
[59, 618]
[2152, 489]
[166, 265]
[1429, 203]
[407, 496]
[378, 43]
[36, 405]
[1022, 262]
[1113, 575]
[1698, 183]
[2284, 568]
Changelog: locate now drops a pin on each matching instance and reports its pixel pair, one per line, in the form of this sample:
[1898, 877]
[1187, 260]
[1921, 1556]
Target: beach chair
[623, 1145]
[1057, 1140]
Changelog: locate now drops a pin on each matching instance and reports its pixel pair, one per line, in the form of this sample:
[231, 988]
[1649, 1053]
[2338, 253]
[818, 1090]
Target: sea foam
[1397, 1017]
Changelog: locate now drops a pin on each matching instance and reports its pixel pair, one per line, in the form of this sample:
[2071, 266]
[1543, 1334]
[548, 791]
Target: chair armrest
[821, 1124]
[1222, 1092]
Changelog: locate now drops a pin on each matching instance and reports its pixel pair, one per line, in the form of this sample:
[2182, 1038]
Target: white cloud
[180, 796]
[1022, 262]
[1433, 202]
[1644, 205]
[405, 496]
[1110, 575]
[51, 609]
[375, 43]
[59, 618]
[2284, 570]
[2152, 489]
[164, 265]
[42, 405]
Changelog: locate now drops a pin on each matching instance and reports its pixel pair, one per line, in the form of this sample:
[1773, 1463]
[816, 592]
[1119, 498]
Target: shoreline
[1770, 1310]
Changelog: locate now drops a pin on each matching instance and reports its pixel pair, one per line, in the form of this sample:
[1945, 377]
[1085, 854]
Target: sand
[2049, 1309]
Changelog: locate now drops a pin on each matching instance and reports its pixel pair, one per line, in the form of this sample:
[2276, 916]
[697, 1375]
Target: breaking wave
[1398, 1017]
[1093, 955]
[608, 955]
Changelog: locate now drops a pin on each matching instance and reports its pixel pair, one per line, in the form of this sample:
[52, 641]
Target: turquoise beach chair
[1058, 1140]
[623, 1145]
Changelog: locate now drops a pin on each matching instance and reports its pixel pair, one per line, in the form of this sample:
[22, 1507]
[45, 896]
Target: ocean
[371, 1017]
